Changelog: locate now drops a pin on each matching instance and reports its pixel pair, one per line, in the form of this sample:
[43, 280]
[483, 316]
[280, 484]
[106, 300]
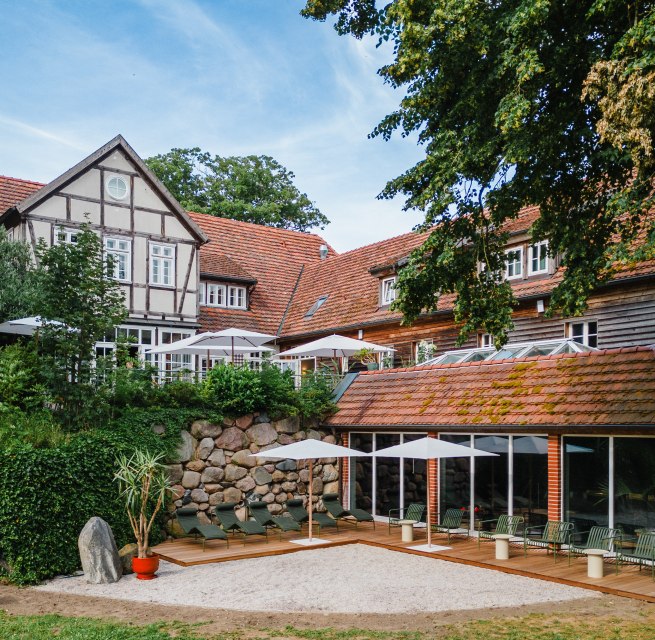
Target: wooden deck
[630, 583]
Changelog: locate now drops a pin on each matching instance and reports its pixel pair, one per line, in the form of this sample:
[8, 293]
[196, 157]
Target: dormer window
[388, 291]
[538, 262]
[316, 306]
[237, 297]
[514, 263]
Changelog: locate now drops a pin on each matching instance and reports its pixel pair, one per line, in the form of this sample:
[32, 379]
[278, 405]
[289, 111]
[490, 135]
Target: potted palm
[143, 483]
[367, 357]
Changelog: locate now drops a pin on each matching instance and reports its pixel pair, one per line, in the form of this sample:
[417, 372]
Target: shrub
[38, 428]
[278, 397]
[315, 396]
[234, 391]
[20, 386]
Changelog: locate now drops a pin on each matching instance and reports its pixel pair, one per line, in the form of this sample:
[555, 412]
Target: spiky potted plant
[143, 484]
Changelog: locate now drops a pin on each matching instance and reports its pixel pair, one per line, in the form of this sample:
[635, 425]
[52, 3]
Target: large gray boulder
[100, 560]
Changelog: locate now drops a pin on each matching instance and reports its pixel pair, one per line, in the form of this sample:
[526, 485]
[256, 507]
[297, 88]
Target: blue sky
[234, 77]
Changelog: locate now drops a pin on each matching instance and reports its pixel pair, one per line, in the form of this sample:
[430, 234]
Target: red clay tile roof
[274, 257]
[611, 387]
[13, 190]
[220, 265]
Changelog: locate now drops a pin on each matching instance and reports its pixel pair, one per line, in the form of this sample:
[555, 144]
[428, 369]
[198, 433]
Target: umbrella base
[306, 542]
[429, 548]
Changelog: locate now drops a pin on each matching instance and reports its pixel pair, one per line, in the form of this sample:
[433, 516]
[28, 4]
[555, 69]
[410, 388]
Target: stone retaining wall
[213, 465]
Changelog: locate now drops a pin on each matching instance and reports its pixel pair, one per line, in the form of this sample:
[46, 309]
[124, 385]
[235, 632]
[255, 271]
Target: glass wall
[530, 478]
[414, 484]
[361, 472]
[586, 481]
[491, 477]
[387, 476]
[455, 477]
[634, 484]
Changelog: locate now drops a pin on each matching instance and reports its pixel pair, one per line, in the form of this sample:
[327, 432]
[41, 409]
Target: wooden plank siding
[625, 314]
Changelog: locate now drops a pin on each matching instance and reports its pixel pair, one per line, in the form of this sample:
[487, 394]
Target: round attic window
[117, 187]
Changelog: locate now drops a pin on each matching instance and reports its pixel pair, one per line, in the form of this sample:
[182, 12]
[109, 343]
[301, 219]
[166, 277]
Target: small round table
[408, 529]
[502, 546]
[595, 566]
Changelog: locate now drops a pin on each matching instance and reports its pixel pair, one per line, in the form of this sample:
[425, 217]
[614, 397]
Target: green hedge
[47, 494]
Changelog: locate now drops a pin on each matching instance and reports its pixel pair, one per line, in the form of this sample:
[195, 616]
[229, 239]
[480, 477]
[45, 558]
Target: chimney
[323, 251]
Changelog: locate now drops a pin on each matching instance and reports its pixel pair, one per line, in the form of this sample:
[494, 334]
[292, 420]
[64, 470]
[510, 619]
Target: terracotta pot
[146, 568]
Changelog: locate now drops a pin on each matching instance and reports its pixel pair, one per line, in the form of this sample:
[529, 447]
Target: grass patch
[534, 627]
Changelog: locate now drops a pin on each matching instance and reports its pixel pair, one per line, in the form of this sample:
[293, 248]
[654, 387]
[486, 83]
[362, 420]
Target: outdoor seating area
[537, 553]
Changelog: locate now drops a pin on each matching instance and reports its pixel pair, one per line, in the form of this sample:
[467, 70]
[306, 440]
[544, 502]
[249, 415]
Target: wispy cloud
[37, 132]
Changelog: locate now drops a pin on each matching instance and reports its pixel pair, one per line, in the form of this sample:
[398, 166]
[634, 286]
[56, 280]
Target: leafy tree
[254, 189]
[76, 291]
[18, 289]
[517, 102]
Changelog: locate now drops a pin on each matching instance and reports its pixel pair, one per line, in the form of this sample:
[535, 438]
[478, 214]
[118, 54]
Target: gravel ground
[348, 579]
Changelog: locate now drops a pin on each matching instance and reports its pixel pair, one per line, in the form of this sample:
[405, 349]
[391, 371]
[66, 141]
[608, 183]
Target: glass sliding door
[586, 481]
[455, 477]
[491, 477]
[361, 472]
[530, 478]
[634, 484]
[414, 480]
[387, 476]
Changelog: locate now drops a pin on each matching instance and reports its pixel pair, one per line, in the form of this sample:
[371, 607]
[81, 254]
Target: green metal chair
[598, 538]
[227, 518]
[297, 511]
[259, 511]
[451, 524]
[642, 555]
[554, 535]
[188, 520]
[415, 511]
[505, 525]
[337, 511]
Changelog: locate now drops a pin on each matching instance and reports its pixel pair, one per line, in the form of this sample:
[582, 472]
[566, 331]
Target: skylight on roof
[316, 306]
[518, 350]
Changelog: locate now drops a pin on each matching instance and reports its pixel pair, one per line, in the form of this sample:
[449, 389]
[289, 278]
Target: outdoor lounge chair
[505, 525]
[188, 520]
[297, 511]
[451, 524]
[336, 510]
[598, 538]
[643, 554]
[553, 535]
[415, 511]
[227, 518]
[259, 511]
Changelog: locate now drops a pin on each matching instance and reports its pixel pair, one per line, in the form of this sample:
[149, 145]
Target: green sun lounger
[598, 538]
[553, 537]
[643, 554]
[227, 518]
[337, 511]
[297, 511]
[451, 524]
[191, 525]
[414, 511]
[505, 525]
[259, 511]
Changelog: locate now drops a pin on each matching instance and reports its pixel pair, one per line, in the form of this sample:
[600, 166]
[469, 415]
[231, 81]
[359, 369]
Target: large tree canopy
[254, 189]
[517, 102]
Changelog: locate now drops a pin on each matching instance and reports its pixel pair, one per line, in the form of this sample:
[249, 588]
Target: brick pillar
[345, 473]
[554, 477]
[433, 489]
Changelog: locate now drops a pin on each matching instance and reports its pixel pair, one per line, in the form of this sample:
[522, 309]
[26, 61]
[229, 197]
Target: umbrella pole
[429, 519]
[232, 350]
[311, 495]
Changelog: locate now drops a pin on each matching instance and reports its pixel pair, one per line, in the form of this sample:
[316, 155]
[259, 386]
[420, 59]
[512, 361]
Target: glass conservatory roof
[512, 350]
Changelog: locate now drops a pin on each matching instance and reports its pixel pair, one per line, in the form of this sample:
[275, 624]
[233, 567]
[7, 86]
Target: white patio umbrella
[233, 339]
[27, 326]
[310, 450]
[334, 346]
[429, 449]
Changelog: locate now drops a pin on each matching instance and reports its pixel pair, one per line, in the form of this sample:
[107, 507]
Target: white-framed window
[236, 297]
[201, 293]
[388, 290]
[66, 236]
[215, 295]
[10, 234]
[514, 263]
[485, 340]
[117, 187]
[538, 260]
[584, 332]
[162, 264]
[425, 350]
[120, 250]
